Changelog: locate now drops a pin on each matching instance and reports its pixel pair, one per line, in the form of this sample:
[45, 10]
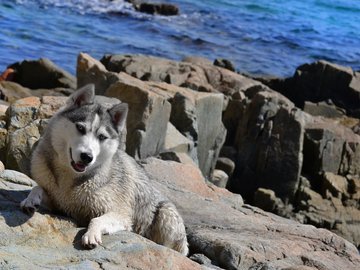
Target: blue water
[269, 37]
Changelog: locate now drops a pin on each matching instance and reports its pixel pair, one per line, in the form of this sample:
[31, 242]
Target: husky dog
[81, 171]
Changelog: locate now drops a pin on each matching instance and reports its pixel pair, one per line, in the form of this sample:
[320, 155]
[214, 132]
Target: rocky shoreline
[289, 146]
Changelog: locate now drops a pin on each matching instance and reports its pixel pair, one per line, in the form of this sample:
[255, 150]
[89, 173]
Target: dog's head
[85, 133]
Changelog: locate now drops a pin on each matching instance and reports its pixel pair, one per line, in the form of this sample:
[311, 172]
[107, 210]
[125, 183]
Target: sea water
[263, 37]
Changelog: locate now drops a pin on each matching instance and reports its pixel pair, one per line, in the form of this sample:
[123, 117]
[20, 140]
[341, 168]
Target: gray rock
[175, 141]
[199, 77]
[148, 116]
[323, 109]
[320, 81]
[42, 73]
[224, 63]
[245, 236]
[226, 165]
[90, 70]
[269, 142]
[267, 200]
[219, 178]
[2, 167]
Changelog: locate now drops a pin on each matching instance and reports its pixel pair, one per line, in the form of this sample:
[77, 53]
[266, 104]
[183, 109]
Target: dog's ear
[82, 96]
[118, 115]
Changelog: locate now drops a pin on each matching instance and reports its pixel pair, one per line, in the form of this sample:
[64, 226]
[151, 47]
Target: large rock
[149, 113]
[269, 142]
[90, 70]
[330, 147]
[199, 77]
[230, 238]
[42, 73]
[26, 119]
[321, 81]
[55, 242]
[245, 237]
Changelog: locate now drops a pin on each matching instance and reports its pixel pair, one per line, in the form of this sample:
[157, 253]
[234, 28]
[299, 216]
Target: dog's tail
[168, 228]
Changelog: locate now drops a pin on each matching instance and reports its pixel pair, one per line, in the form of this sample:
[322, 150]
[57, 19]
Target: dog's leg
[36, 197]
[168, 228]
[106, 224]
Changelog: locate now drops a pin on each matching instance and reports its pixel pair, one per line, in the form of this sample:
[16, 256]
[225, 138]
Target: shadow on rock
[77, 240]
[10, 207]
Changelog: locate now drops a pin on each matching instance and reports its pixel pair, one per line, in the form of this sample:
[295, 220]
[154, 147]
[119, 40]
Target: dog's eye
[102, 137]
[80, 128]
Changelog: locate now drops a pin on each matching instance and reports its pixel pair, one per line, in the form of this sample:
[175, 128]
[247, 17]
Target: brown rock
[149, 113]
[90, 70]
[246, 237]
[199, 77]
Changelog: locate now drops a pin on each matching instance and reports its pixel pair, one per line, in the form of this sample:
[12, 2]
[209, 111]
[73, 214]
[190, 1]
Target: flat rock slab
[245, 237]
[46, 241]
[232, 235]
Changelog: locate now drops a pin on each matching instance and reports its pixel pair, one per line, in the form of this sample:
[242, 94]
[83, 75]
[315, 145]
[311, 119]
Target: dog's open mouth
[79, 166]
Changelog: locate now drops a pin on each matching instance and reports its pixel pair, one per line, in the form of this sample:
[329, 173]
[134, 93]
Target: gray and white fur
[81, 172]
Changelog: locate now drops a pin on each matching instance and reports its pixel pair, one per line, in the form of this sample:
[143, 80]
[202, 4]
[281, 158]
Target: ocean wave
[84, 6]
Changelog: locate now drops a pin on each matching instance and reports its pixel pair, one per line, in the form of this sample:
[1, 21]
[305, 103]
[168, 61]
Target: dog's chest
[86, 202]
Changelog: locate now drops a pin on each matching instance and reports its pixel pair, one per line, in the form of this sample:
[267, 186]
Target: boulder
[148, 116]
[224, 63]
[226, 165]
[42, 73]
[330, 147]
[25, 123]
[200, 76]
[219, 178]
[11, 91]
[245, 237]
[2, 167]
[321, 81]
[269, 141]
[55, 241]
[90, 70]
[161, 9]
[341, 217]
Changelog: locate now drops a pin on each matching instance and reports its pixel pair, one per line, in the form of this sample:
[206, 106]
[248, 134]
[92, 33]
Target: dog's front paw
[29, 205]
[33, 200]
[92, 238]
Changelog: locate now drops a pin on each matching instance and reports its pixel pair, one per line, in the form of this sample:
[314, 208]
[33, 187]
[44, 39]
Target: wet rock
[42, 73]
[161, 9]
[224, 63]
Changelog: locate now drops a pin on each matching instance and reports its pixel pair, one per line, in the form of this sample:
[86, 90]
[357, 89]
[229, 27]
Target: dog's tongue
[78, 166]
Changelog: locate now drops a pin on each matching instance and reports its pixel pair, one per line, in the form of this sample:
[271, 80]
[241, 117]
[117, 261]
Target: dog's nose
[86, 157]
